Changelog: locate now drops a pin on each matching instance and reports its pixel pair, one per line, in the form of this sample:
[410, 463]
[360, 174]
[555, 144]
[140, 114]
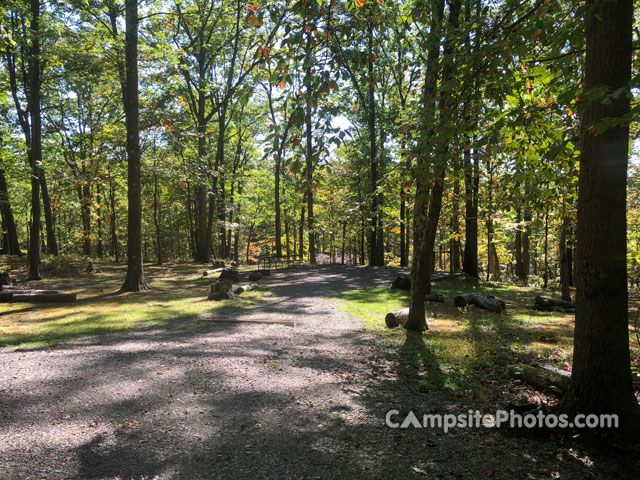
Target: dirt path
[248, 401]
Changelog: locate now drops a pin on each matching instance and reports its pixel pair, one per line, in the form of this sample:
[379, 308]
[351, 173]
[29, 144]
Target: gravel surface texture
[236, 400]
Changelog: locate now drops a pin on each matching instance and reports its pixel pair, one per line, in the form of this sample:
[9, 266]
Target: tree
[134, 282]
[601, 376]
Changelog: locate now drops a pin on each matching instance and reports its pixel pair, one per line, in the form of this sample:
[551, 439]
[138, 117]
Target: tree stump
[222, 290]
[229, 274]
[402, 282]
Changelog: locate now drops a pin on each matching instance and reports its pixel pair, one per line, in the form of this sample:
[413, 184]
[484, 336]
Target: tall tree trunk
[545, 275]
[374, 249]
[403, 246]
[203, 237]
[52, 244]
[564, 258]
[526, 241]
[84, 197]
[12, 244]
[471, 182]
[156, 217]
[112, 221]
[286, 236]
[425, 231]
[36, 143]
[601, 375]
[454, 242]
[518, 244]
[276, 196]
[344, 236]
[301, 239]
[99, 215]
[134, 282]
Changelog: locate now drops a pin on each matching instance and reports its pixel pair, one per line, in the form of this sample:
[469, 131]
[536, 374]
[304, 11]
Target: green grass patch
[465, 352]
[178, 297]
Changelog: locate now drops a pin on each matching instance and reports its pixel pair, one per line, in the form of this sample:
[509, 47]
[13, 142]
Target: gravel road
[211, 399]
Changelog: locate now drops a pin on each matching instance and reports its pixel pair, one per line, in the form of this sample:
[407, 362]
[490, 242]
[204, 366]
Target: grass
[178, 296]
[465, 352]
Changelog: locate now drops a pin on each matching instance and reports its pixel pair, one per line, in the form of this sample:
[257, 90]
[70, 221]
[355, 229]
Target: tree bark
[471, 183]
[134, 281]
[601, 376]
[36, 144]
[8, 221]
[52, 243]
[425, 228]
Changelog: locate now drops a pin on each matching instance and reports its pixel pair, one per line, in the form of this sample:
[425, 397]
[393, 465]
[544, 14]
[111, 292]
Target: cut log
[394, 319]
[229, 274]
[222, 290]
[206, 273]
[402, 282]
[44, 297]
[543, 377]
[246, 288]
[487, 302]
[255, 276]
[553, 302]
[550, 308]
[430, 297]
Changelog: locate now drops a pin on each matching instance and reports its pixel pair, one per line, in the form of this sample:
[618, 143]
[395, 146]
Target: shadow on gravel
[227, 401]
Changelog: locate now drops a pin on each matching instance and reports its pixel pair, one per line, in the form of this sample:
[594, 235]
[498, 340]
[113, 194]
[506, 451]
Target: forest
[493, 140]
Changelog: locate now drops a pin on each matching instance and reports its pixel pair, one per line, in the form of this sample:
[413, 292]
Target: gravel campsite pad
[236, 399]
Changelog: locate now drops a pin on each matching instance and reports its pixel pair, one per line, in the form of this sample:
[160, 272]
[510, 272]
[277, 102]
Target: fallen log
[553, 302]
[486, 302]
[402, 282]
[551, 308]
[206, 273]
[222, 290]
[431, 297]
[394, 319]
[229, 274]
[246, 288]
[542, 377]
[43, 297]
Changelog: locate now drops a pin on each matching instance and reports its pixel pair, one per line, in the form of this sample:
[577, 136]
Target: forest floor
[165, 384]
